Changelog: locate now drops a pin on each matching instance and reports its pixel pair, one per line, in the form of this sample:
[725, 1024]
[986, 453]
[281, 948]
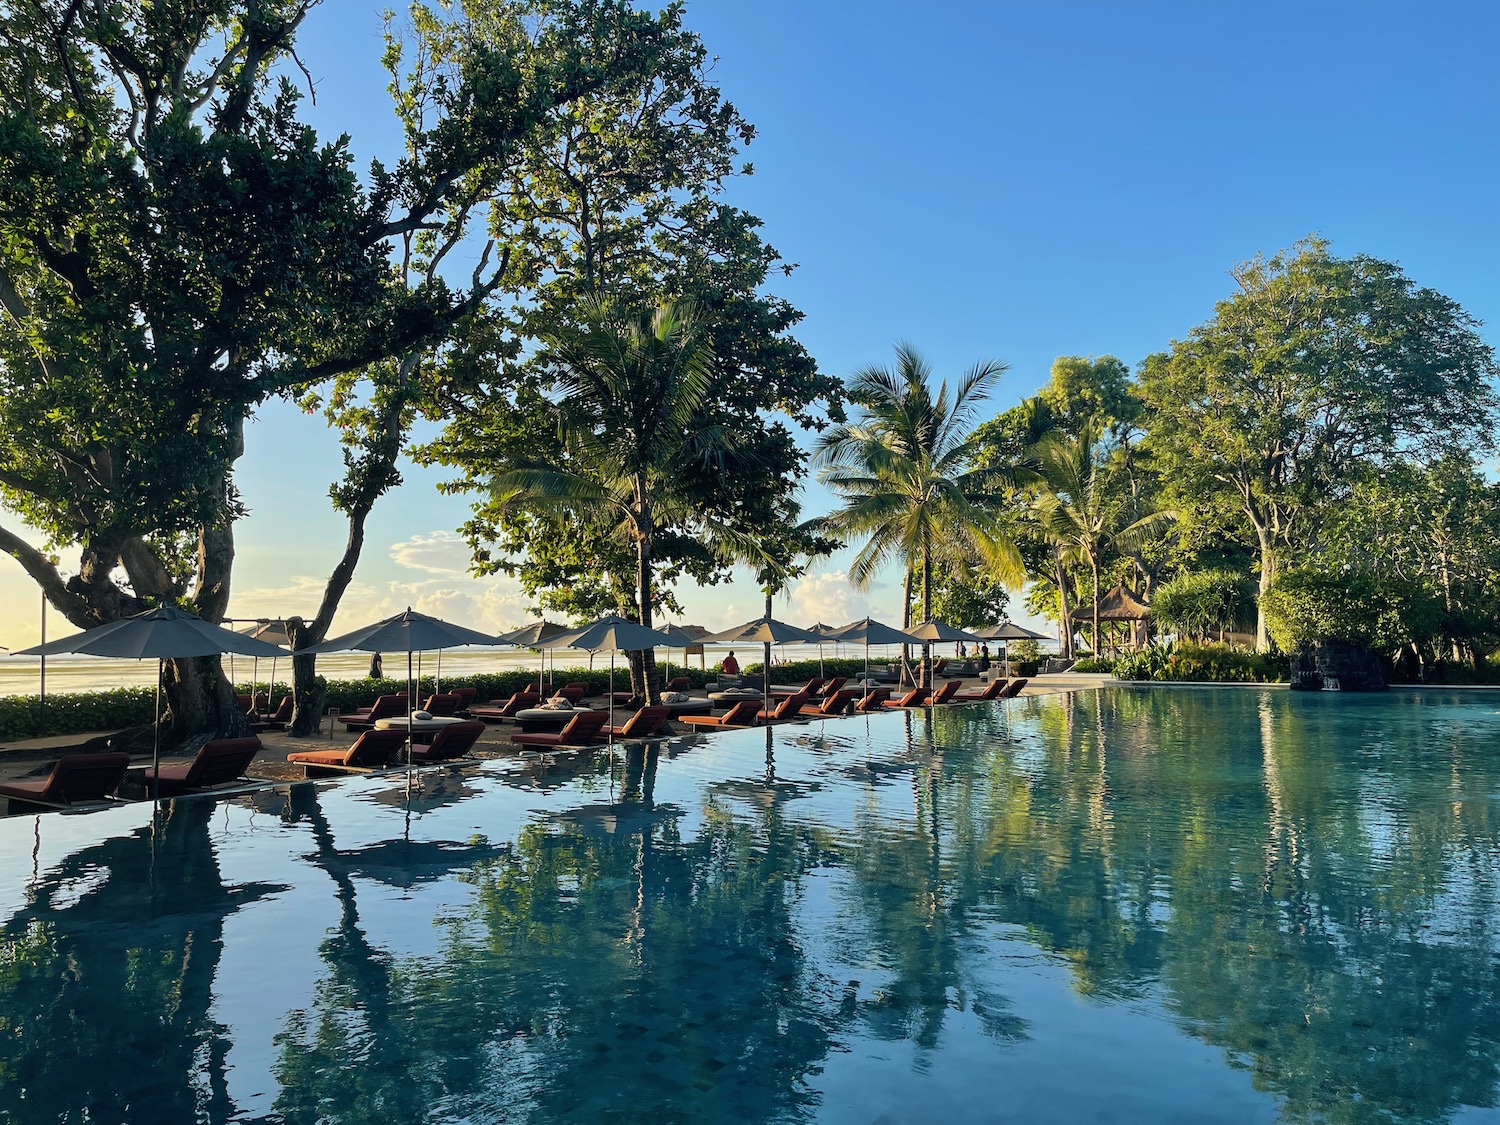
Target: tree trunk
[1267, 576]
[199, 699]
[1065, 623]
[308, 695]
[926, 680]
[650, 682]
[1094, 565]
[906, 616]
[766, 657]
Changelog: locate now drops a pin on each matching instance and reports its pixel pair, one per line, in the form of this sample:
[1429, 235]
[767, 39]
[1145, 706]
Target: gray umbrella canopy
[531, 636]
[405, 632]
[614, 634]
[163, 633]
[939, 632]
[762, 631]
[868, 631]
[1010, 631]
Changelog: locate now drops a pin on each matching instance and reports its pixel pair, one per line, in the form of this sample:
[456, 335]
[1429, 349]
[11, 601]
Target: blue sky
[1010, 181]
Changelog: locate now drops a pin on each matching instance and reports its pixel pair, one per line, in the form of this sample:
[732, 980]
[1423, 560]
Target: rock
[1337, 665]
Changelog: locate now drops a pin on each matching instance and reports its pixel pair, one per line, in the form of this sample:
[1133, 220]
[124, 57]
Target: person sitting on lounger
[731, 666]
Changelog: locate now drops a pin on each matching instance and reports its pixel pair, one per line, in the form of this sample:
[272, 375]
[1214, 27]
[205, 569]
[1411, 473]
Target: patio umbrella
[825, 634]
[872, 632]
[164, 633]
[531, 636]
[410, 632]
[1008, 631]
[615, 634]
[682, 636]
[765, 631]
[273, 633]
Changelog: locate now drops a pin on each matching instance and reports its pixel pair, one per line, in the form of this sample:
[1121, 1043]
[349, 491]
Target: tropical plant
[1202, 602]
[905, 469]
[1080, 509]
[628, 390]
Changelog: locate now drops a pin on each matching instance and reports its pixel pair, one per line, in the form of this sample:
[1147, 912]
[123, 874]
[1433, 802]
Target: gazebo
[1118, 606]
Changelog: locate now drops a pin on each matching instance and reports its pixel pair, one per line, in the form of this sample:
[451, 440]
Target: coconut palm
[1079, 508]
[629, 391]
[905, 469]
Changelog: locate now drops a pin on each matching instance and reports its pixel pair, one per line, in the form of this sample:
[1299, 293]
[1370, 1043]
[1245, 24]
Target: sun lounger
[742, 714]
[788, 708]
[832, 687]
[917, 697]
[465, 697]
[384, 707]
[75, 779]
[645, 723]
[813, 686]
[498, 711]
[874, 701]
[452, 741]
[580, 731]
[373, 750]
[220, 762]
[1013, 688]
[444, 706]
[573, 692]
[836, 704]
[282, 715]
[991, 692]
[945, 692]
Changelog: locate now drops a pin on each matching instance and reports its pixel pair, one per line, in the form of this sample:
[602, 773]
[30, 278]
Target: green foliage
[1317, 368]
[968, 602]
[1025, 649]
[1184, 662]
[1093, 664]
[1198, 603]
[799, 671]
[1303, 607]
[23, 716]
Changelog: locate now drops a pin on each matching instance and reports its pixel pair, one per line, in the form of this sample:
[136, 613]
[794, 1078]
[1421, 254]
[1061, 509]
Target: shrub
[1201, 603]
[22, 716]
[1303, 607]
[1201, 663]
[1093, 664]
[1025, 649]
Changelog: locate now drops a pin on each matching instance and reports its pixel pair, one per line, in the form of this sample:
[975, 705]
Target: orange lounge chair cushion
[454, 740]
[74, 778]
[372, 750]
[217, 763]
[580, 731]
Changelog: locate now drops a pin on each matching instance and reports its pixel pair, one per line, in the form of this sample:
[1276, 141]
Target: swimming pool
[1129, 905]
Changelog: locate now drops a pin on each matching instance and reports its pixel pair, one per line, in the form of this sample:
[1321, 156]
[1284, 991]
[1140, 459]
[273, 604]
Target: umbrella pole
[437, 680]
[411, 695]
[156, 742]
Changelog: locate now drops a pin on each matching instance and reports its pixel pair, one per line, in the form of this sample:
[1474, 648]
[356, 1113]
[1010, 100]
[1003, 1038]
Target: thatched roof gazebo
[1118, 605]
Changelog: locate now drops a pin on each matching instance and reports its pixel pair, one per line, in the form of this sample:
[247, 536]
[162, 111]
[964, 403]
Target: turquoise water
[1126, 906]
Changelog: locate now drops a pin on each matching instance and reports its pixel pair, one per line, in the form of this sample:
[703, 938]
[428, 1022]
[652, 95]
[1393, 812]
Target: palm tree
[906, 472]
[1080, 511]
[629, 391]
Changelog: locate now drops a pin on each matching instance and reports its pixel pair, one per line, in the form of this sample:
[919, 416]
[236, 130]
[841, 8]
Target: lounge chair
[1013, 688]
[832, 687]
[940, 667]
[991, 692]
[500, 710]
[444, 706]
[372, 750]
[836, 704]
[465, 697]
[788, 708]
[645, 723]
[742, 714]
[677, 683]
[573, 692]
[384, 707]
[874, 701]
[580, 731]
[282, 715]
[946, 692]
[917, 697]
[453, 740]
[220, 762]
[813, 686]
[75, 779]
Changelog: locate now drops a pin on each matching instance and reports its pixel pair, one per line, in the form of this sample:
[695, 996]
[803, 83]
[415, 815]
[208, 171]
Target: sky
[1011, 181]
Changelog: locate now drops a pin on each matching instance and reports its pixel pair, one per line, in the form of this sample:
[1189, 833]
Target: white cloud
[437, 552]
[827, 598]
[487, 604]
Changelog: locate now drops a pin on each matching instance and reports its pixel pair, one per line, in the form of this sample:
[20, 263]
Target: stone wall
[1338, 665]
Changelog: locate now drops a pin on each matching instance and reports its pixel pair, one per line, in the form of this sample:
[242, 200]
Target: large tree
[624, 197]
[1316, 367]
[905, 469]
[178, 248]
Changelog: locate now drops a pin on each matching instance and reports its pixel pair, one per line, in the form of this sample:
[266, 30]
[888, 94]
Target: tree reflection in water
[1311, 885]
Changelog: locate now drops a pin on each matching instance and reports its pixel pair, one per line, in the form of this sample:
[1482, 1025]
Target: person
[377, 667]
[963, 650]
[731, 666]
[984, 658]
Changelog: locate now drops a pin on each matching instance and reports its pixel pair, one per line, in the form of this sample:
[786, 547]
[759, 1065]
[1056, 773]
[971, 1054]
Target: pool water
[1130, 905]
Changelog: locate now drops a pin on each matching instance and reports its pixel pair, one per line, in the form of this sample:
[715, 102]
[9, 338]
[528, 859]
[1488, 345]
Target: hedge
[1201, 663]
[23, 716]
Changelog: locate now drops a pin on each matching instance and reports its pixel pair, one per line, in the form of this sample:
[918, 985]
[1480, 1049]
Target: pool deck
[33, 758]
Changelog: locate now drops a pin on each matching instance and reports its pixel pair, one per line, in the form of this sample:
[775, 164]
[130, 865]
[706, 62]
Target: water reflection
[819, 922]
